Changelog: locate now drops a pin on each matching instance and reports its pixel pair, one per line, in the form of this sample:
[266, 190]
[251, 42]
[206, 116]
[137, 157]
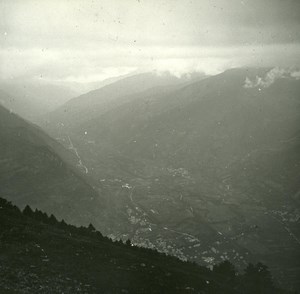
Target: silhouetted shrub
[28, 211]
[257, 279]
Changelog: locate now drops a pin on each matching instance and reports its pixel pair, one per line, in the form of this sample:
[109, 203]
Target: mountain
[33, 99]
[205, 171]
[40, 254]
[86, 106]
[33, 172]
[84, 86]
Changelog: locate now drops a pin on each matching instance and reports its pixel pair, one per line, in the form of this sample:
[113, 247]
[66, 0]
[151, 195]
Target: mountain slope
[86, 106]
[33, 99]
[33, 173]
[39, 254]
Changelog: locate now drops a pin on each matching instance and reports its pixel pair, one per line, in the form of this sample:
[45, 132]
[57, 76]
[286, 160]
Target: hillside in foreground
[38, 254]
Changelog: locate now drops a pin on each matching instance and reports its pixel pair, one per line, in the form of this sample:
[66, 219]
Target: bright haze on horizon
[65, 41]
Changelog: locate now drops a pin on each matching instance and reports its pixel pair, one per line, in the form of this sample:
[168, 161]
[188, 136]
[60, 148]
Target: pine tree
[226, 275]
[91, 228]
[28, 211]
[52, 220]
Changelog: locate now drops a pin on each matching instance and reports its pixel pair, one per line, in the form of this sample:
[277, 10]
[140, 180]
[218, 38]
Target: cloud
[85, 40]
[296, 74]
[270, 77]
[103, 62]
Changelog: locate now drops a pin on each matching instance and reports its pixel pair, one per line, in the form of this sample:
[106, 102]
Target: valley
[150, 146]
[204, 172]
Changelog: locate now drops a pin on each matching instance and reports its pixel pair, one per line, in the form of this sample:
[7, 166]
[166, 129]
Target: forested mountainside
[42, 255]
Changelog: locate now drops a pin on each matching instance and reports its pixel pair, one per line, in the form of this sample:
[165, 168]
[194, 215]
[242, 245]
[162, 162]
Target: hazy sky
[70, 40]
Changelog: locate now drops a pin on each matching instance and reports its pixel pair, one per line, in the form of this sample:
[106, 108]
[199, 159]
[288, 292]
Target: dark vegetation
[39, 254]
